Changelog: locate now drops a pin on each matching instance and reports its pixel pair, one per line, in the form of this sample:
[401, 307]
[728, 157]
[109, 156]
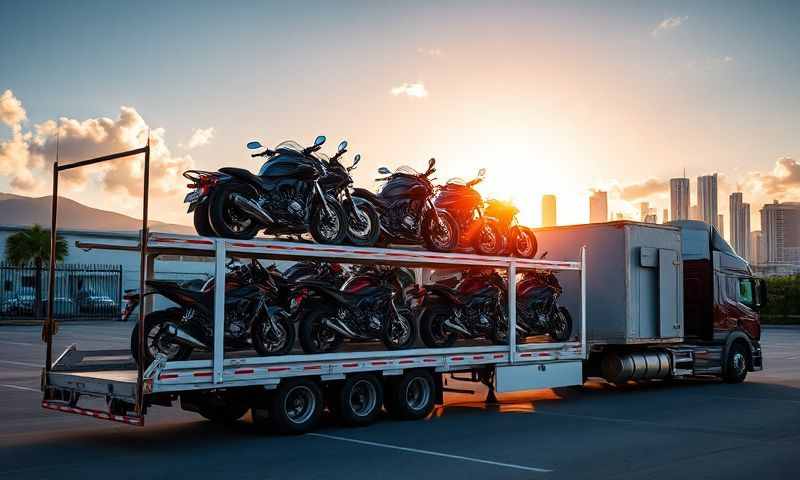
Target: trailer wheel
[411, 396]
[358, 400]
[296, 406]
[736, 363]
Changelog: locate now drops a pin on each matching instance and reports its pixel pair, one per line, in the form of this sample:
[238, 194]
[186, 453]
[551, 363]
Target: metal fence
[81, 292]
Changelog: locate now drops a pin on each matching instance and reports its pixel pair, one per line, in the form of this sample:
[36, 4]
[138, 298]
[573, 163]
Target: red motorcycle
[519, 240]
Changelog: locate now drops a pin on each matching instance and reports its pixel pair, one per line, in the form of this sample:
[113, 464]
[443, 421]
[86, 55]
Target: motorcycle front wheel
[440, 235]
[225, 217]
[523, 242]
[399, 332]
[561, 325]
[328, 228]
[363, 229]
[269, 339]
[488, 240]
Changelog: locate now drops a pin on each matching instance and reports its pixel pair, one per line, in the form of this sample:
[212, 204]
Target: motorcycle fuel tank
[286, 165]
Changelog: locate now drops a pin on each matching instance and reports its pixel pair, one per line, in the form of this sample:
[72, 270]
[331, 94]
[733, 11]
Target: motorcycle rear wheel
[432, 330]
[316, 337]
[561, 325]
[488, 240]
[202, 225]
[155, 340]
[392, 337]
[226, 219]
[325, 229]
[523, 242]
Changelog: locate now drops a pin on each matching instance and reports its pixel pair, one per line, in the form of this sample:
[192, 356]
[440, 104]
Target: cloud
[410, 89]
[668, 24]
[200, 137]
[25, 159]
[430, 52]
[11, 111]
[783, 180]
[643, 190]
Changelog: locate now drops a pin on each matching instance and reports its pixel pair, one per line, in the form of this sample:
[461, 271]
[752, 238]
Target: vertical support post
[584, 353]
[142, 266]
[219, 308]
[512, 312]
[49, 325]
[149, 273]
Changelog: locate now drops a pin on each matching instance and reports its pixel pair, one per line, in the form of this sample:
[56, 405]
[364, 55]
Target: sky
[550, 97]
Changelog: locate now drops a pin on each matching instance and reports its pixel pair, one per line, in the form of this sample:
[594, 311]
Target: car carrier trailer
[229, 383]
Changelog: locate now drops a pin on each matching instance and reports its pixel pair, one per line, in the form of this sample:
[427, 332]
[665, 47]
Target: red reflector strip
[244, 371]
[349, 365]
[525, 354]
[248, 245]
[312, 367]
[429, 360]
[277, 369]
[405, 362]
[167, 376]
[379, 362]
[138, 421]
[457, 359]
[203, 374]
[498, 355]
[477, 357]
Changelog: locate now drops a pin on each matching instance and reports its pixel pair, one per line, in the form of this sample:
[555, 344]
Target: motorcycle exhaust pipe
[183, 337]
[252, 208]
[342, 330]
[457, 328]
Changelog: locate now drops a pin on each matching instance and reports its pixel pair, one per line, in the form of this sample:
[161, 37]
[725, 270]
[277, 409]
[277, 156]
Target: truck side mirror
[761, 288]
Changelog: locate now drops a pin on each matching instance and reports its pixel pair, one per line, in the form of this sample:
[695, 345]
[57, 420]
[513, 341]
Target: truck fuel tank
[619, 367]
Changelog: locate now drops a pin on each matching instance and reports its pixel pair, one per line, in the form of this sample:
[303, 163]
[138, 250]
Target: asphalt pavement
[697, 428]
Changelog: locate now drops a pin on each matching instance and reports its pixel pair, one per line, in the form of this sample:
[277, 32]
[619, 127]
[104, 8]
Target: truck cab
[722, 298]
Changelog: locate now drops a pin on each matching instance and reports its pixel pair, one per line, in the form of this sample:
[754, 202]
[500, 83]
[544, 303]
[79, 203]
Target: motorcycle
[406, 209]
[363, 222]
[374, 303]
[252, 319]
[465, 204]
[285, 198]
[538, 311]
[519, 240]
[474, 308]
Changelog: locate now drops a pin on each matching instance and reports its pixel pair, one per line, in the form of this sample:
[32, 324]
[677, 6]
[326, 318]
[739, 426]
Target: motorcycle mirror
[319, 140]
[431, 162]
[482, 172]
[384, 171]
[544, 254]
[356, 159]
[342, 146]
[254, 145]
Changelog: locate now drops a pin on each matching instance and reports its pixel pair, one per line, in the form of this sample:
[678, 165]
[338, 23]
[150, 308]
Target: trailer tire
[411, 396]
[736, 361]
[358, 400]
[296, 406]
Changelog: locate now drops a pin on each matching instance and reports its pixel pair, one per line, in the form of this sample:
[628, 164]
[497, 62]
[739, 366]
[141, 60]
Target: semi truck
[652, 302]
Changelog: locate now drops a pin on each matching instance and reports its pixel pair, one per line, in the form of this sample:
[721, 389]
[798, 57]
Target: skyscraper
[644, 211]
[598, 207]
[721, 225]
[665, 216]
[548, 210]
[679, 198]
[707, 199]
[739, 224]
[757, 248]
[780, 225]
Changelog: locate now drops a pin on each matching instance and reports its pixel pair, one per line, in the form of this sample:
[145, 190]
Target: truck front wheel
[736, 363]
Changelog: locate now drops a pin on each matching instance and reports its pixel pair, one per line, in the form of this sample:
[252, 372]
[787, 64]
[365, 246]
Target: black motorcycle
[363, 222]
[538, 311]
[252, 319]
[474, 308]
[464, 203]
[285, 198]
[374, 303]
[407, 212]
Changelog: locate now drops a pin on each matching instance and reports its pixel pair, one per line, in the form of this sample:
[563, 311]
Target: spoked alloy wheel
[225, 217]
[328, 227]
[442, 234]
[523, 242]
[156, 339]
[363, 225]
[315, 336]
[269, 339]
[399, 332]
[489, 240]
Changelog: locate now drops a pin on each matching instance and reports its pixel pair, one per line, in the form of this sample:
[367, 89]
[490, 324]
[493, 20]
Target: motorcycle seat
[245, 175]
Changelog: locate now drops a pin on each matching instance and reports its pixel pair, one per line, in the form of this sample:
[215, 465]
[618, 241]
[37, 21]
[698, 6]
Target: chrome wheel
[417, 394]
[363, 398]
[739, 363]
[299, 404]
[328, 225]
[359, 224]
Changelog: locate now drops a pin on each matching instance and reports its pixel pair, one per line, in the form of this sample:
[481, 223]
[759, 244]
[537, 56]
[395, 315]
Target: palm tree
[33, 246]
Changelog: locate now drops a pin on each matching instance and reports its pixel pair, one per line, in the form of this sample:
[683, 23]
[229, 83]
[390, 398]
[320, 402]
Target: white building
[739, 225]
